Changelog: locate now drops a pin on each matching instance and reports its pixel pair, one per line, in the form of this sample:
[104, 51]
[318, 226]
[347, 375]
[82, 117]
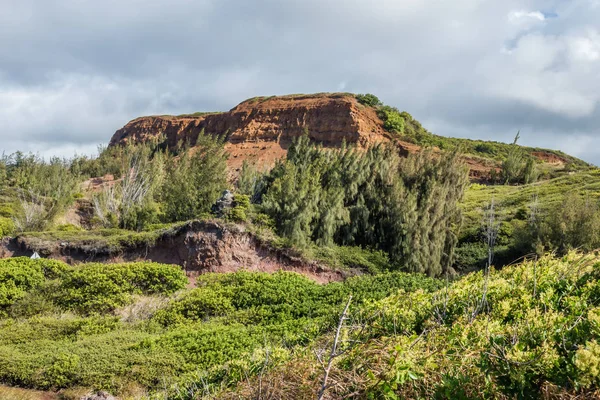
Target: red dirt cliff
[260, 130]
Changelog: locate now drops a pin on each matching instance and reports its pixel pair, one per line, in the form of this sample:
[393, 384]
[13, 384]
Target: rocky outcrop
[328, 118]
[260, 130]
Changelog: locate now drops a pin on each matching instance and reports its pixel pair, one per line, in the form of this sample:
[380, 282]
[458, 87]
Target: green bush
[392, 119]
[7, 227]
[368, 100]
[241, 205]
[104, 287]
[22, 274]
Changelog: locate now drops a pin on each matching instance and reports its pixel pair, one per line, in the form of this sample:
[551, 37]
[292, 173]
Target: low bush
[22, 274]
[104, 287]
[7, 227]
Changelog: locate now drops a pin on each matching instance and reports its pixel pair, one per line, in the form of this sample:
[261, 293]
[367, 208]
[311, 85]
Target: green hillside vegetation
[556, 215]
[528, 331]
[130, 328]
[458, 290]
[409, 129]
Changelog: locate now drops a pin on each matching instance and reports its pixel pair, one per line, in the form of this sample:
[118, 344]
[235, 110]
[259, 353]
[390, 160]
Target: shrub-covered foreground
[528, 331]
[134, 330]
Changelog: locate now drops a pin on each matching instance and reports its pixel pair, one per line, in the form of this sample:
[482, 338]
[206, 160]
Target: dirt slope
[199, 247]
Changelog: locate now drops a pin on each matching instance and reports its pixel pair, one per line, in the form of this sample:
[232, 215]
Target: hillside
[261, 129]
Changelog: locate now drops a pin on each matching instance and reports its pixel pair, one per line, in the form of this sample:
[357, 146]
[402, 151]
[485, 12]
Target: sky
[74, 71]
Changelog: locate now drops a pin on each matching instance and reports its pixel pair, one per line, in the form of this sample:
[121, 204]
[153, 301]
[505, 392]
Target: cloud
[518, 16]
[72, 72]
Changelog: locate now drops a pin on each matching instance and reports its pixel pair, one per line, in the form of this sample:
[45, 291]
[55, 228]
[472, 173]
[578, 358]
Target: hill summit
[260, 130]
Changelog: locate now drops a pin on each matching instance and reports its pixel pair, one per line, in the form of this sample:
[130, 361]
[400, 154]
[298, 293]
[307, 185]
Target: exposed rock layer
[260, 130]
[199, 247]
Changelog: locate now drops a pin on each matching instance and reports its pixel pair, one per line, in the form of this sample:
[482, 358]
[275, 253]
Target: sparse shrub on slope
[368, 99]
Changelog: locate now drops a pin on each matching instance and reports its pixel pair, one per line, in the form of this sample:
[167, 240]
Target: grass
[201, 114]
[512, 201]
[99, 240]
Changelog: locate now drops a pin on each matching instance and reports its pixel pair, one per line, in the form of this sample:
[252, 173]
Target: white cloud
[518, 16]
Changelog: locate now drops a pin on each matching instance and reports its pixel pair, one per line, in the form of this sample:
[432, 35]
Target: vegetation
[143, 340]
[388, 224]
[533, 336]
[405, 207]
[406, 128]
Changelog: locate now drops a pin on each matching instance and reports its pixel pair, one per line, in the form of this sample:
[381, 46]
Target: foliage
[7, 227]
[573, 224]
[194, 182]
[517, 167]
[87, 289]
[536, 336]
[103, 288]
[216, 328]
[130, 202]
[405, 207]
[43, 189]
[241, 206]
[368, 99]
[20, 275]
[392, 120]
[251, 182]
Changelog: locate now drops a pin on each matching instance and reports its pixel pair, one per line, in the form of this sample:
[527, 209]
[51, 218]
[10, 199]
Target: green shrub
[104, 287]
[7, 227]
[241, 205]
[368, 100]
[22, 274]
[68, 228]
[392, 119]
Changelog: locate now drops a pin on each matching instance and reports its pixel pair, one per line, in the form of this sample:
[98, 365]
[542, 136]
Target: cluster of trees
[372, 198]
[148, 184]
[160, 186]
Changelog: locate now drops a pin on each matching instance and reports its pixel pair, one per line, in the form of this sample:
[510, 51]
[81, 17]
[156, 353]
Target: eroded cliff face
[198, 247]
[260, 130]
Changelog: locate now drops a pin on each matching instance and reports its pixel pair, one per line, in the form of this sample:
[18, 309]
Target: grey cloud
[72, 72]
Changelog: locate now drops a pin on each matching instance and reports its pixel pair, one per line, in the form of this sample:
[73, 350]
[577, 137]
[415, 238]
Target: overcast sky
[74, 71]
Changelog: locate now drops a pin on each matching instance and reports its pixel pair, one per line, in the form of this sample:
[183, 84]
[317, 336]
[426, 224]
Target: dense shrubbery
[104, 287]
[204, 329]
[87, 289]
[528, 331]
[374, 199]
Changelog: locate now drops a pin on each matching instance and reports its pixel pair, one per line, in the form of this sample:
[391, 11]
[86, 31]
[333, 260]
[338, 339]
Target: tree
[194, 182]
[372, 198]
[518, 167]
